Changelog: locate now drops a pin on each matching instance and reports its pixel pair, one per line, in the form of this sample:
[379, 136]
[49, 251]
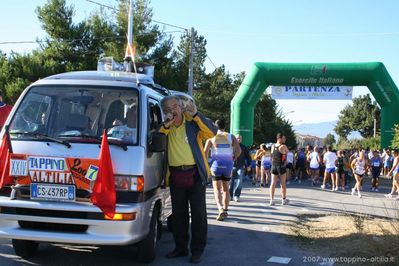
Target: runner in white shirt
[314, 165]
[290, 164]
[329, 161]
[359, 167]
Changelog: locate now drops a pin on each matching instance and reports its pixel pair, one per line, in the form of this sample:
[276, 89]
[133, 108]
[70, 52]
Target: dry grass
[348, 236]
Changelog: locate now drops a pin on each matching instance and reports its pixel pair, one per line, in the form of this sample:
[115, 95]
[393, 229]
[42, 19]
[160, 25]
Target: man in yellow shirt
[188, 174]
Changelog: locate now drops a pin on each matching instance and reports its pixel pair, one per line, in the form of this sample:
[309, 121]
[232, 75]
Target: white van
[55, 130]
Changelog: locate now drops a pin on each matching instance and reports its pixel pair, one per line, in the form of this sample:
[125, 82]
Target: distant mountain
[317, 129]
[321, 130]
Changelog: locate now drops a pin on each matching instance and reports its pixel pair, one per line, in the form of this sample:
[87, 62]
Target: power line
[77, 40]
[211, 61]
[156, 21]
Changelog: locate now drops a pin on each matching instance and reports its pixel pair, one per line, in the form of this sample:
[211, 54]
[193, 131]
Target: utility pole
[375, 128]
[128, 56]
[191, 64]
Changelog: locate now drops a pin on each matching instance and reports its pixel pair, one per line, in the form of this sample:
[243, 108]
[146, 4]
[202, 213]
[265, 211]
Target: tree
[395, 140]
[358, 117]
[329, 140]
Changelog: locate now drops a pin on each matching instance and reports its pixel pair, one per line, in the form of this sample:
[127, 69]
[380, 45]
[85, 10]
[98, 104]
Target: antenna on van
[130, 48]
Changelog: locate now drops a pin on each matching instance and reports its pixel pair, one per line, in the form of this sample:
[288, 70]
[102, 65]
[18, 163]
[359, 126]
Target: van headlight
[129, 183]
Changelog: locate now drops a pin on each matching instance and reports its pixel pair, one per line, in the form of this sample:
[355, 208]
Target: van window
[155, 116]
[77, 113]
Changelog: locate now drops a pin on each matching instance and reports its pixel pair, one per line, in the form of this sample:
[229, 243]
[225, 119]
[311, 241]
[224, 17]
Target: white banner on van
[312, 92]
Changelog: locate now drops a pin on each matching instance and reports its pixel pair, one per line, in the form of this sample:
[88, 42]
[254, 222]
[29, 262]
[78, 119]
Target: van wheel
[146, 247]
[24, 248]
[169, 223]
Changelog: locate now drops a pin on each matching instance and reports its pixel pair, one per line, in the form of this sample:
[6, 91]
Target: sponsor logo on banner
[312, 92]
[54, 170]
[47, 164]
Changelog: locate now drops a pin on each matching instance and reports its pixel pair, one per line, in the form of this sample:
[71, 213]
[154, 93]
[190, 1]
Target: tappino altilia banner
[312, 92]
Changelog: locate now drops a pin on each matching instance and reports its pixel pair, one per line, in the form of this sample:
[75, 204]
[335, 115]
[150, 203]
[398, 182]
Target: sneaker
[372, 189]
[333, 188]
[389, 196]
[376, 190]
[343, 188]
[323, 187]
[353, 191]
[285, 201]
[336, 189]
[287, 183]
[235, 198]
[220, 217]
[359, 195]
[299, 181]
[396, 198]
[272, 203]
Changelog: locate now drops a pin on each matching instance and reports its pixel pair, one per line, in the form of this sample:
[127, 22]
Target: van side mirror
[157, 142]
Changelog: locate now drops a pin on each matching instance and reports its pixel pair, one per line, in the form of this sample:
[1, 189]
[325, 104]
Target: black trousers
[182, 199]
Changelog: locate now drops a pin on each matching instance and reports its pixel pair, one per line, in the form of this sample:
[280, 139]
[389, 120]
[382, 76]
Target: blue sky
[240, 33]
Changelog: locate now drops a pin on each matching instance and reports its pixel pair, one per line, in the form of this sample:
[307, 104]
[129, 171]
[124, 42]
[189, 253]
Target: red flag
[104, 195]
[5, 177]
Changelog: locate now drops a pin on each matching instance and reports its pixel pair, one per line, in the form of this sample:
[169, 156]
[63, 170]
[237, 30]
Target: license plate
[52, 192]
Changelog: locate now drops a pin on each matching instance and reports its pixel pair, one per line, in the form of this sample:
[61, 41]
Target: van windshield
[77, 114]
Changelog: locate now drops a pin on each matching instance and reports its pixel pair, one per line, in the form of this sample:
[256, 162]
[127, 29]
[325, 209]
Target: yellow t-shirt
[179, 151]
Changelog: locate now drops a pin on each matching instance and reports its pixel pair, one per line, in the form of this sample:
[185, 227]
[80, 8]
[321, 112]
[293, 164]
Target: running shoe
[353, 191]
[376, 190]
[235, 198]
[299, 181]
[285, 201]
[396, 198]
[336, 189]
[272, 203]
[372, 189]
[323, 187]
[359, 195]
[389, 196]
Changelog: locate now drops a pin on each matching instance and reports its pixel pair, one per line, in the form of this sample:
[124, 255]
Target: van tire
[146, 247]
[25, 248]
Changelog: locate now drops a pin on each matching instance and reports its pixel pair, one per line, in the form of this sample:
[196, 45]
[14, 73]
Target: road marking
[304, 209]
[281, 260]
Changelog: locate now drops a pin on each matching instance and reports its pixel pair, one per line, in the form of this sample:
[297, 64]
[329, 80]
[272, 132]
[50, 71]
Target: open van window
[77, 114]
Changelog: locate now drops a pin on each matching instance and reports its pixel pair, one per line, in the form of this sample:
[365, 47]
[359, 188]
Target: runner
[300, 165]
[224, 151]
[258, 158]
[359, 167]
[314, 165]
[395, 176]
[329, 161]
[387, 162]
[279, 153]
[375, 170]
[290, 164]
[340, 168]
[266, 165]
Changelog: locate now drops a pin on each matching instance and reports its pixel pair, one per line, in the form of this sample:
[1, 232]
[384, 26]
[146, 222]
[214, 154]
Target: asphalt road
[253, 234]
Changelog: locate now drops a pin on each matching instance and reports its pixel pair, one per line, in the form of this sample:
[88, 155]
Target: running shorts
[375, 171]
[278, 170]
[222, 169]
[330, 170]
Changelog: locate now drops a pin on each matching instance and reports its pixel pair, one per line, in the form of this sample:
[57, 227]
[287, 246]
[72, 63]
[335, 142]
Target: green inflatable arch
[373, 75]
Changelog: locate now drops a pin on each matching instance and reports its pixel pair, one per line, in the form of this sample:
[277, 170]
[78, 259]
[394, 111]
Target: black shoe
[196, 258]
[176, 253]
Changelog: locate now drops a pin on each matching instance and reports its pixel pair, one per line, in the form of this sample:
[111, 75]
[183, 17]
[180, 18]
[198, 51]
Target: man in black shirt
[238, 170]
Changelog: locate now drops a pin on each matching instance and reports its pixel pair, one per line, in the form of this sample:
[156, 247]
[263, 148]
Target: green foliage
[358, 117]
[372, 143]
[395, 140]
[329, 140]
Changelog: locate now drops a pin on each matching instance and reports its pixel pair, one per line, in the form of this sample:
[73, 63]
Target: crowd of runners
[265, 166]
